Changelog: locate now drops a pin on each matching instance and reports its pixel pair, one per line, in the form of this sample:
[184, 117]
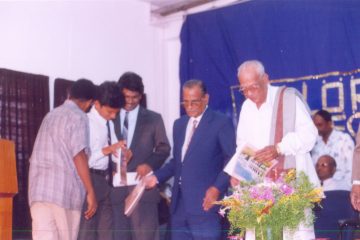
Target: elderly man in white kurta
[259, 127]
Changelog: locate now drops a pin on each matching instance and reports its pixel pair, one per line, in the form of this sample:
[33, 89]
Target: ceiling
[167, 7]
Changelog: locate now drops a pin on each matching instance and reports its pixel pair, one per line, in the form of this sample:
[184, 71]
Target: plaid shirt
[53, 178]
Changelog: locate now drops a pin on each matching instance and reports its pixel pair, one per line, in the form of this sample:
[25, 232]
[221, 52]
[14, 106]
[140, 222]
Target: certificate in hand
[243, 166]
[133, 198]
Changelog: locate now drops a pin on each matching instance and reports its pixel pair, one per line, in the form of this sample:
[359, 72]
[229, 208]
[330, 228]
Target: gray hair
[254, 64]
[194, 82]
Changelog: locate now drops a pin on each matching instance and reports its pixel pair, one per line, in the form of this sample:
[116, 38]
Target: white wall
[98, 40]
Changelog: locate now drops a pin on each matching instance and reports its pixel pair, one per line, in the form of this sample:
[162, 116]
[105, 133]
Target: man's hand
[211, 195]
[355, 197]
[266, 154]
[91, 205]
[127, 154]
[82, 168]
[142, 170]
[234, 181]
[150, 181]
[113, 149]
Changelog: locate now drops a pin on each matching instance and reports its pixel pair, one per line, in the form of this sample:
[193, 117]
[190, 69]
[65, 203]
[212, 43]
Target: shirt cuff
[278, 149]
[356, 182]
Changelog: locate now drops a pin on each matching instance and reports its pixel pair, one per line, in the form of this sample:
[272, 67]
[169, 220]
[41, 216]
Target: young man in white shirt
[104, 148]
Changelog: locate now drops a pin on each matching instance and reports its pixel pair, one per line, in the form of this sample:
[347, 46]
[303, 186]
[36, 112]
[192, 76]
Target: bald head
[325, 167]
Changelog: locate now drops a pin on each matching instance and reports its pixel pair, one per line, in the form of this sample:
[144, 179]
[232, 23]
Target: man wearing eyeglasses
[204, 141]
[276, 123]
[325, 169]
[334, 143]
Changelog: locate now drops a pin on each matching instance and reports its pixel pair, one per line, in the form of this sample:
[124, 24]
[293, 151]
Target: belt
[103, 173]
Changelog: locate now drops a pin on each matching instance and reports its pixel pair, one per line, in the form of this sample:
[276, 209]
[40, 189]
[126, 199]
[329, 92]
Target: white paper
[130, 176]
[130, 179]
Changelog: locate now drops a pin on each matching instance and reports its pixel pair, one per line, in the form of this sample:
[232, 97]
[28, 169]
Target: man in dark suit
[146, 138]
[204, 141]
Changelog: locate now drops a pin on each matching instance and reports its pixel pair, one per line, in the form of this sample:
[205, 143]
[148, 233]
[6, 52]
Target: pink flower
[235, 238]
[286, 189]
[267, 194]
[254, 192]
[262, 193]
[222, 212]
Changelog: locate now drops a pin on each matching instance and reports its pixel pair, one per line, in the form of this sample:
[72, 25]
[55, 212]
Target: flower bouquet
[269, 207]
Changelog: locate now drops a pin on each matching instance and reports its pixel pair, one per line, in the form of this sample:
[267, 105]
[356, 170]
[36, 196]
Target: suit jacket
[211, 146]
[356, 158]
[149, 145]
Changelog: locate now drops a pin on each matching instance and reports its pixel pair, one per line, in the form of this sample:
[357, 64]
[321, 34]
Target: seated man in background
[334, 143]
[336, 205]
[325, 169]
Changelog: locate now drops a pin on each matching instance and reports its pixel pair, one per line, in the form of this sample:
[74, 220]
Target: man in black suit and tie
[145, 134]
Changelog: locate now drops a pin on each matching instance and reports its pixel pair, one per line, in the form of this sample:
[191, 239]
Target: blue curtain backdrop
[293, 38]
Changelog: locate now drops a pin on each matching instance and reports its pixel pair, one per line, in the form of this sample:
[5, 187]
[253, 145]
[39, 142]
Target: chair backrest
[349, 229]
[335, 206]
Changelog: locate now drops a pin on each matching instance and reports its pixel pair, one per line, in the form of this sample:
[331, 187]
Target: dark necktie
[110, 164]
[126, 126]
[123, 164]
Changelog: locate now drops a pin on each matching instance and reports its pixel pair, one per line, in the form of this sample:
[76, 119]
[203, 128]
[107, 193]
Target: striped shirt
[53, 177]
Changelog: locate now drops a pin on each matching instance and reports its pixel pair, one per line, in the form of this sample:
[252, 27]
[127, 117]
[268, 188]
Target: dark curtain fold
[61, 90]
[24, 101]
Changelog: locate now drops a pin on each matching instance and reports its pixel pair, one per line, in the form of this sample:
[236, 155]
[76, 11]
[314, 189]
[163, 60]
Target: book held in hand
[245, 167]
